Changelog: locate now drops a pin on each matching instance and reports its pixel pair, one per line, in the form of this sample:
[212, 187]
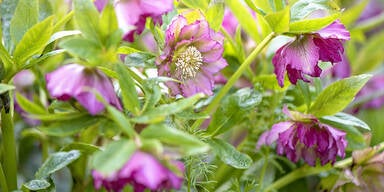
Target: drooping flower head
[142, 171]
[305, 137]
[299, 58]
[78, 82]
[193, 55]
[133, 13]
[365, 174]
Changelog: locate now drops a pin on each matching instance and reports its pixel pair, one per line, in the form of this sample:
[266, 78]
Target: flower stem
[307, 171]
[9, 147]
[216, 101]
[296, 174]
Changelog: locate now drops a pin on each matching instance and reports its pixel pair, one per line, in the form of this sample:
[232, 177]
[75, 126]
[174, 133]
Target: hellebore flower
[305, 137]
[77, 81]
[375, 84]
[23, 82]
[301, 56]
[193, 55]
[366, 173]
[135, 12]
[142, 171]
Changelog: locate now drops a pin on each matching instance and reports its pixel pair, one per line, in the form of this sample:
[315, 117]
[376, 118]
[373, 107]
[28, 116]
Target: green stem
[307, 171]
[216, 101]
[3, 181]
[9, 147]
[296, 174]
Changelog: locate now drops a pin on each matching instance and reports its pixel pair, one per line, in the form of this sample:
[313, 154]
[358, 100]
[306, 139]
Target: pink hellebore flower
[77, 81]
[133, 13]
[193, 55]
[23, 82]
[305, 138]
[142, 171]
[301, 56]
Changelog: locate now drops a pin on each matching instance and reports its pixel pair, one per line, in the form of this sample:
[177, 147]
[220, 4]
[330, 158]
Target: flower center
[189, 63]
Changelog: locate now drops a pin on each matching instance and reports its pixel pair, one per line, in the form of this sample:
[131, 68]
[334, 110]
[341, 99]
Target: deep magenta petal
[335, 30]
[142, 171]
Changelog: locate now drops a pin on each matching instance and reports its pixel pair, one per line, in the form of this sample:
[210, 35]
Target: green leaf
[215, 14]
[108, 21]
[84, 148]
[338, 95]
[233, 110]
[7, 9]
[29, 106]
[140, 59]
[229, 155]
[128, 90]
[127, 50]
[34, 41]
[87, 19]
[152, 93]
[114, 156]
[26, 15]
[279, 21]
[5, 87]
[158, 114]
[201, 4]
[312, 25]
[121, 120]
[303, 8]
[70, 126]
[55, 162]
[82, 48]
[61, 34]
[345, 119]
[186, 143]
[37, 184]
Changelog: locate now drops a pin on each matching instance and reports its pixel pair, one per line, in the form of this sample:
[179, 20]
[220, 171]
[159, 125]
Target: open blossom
[79, 82]
[192, 55]
[301, 56]
[142, 171]
[306, 138]
[132, 14]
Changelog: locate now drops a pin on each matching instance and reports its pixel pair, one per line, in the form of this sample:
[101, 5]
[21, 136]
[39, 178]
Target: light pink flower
[193, 54]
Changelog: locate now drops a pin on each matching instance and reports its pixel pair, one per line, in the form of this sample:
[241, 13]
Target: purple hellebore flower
[23, 82]
[193, 54]
[301, 56]
[135, 12]
[142, 171]
[77, 81]
[305, 138]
